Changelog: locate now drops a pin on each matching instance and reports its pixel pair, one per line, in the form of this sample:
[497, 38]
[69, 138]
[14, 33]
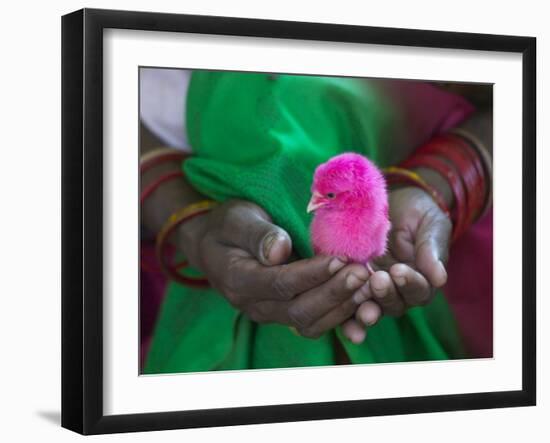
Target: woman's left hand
[412, 268]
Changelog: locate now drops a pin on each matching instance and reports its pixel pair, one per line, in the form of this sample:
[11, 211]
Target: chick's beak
[317, 200]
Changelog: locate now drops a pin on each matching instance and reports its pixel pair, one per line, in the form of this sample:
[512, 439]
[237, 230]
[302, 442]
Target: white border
[126, 392]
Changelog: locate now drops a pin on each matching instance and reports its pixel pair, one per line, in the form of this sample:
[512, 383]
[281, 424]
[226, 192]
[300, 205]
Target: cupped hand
[413, 267]
[245, 257]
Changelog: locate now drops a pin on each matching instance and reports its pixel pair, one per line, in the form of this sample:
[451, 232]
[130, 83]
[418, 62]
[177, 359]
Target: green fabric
[260, 138]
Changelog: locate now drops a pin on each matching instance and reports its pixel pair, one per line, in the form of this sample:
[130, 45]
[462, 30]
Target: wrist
[188, 236]
[439, 183]
[167, 198]
[172, 226]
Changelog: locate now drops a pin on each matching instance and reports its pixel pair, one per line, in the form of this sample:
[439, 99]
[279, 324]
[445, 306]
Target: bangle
[469, 153]
[452, 157]
[149, 262]
[150, 188]
[457, 186]
[468, 166]
[396, 175]
[486, 160]
[177, 218]
[479, 190]
[157, 156]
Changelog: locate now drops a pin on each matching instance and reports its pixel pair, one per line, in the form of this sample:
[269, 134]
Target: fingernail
[400, 281]
[353, 282]
[370, 317]
[357, 337]
[380, 291]
[442, 266]
[268, 243]
[335, 265]
[443, 272]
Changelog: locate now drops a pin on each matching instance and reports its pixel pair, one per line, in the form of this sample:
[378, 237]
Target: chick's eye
[331, 195]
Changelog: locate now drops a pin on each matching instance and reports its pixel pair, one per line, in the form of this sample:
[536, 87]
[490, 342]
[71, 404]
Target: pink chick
[351, 209]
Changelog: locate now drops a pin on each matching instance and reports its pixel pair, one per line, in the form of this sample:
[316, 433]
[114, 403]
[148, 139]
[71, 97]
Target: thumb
[431, 248]
[248, 227]
[270, 244]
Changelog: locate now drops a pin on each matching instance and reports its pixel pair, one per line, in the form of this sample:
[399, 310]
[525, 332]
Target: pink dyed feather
[352, 217]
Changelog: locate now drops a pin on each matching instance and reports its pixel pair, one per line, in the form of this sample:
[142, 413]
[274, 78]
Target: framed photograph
[269, 221]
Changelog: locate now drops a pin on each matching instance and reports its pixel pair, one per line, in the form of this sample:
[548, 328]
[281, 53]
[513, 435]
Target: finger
[411, 285]
[335, 317]
[368, 313]
[248, 227]
[257, 282]
[385, 294]
[267, 311]
[362, 294]
[354, 331]
[309, 307]
[431, 249]
[429, 264]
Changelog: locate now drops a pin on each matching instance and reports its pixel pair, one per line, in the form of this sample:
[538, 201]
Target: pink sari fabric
[469, 289]
[152, 288]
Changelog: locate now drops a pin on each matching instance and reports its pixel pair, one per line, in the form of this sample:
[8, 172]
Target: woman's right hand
[245, 257]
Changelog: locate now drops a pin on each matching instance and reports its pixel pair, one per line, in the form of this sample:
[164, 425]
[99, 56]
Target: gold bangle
[407, 176]
[178, 217]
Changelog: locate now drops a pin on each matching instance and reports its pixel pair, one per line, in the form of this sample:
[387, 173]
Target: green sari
[259, 137]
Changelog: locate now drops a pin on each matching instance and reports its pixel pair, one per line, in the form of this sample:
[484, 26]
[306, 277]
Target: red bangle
[148, 161]
[149, 263]
[150, 188]
[459, 214]
[172, 271]
[159, 159]
[479, 151]
[470, 152]
[456, 161]
[480, 192]
[157, 156]
[456, 152]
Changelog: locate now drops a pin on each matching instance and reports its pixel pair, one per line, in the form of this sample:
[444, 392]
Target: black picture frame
[82, 219]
